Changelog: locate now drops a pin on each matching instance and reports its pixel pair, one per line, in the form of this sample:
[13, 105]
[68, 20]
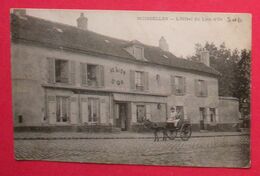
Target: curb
[150, 137]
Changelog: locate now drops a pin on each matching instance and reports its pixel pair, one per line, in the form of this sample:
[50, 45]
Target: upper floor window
[178, 85]
[139, 80]
[61, 71]
[92, 75]
[138, 52]
[201, 88]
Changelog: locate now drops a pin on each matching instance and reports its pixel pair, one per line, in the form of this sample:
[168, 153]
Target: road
[225, 151]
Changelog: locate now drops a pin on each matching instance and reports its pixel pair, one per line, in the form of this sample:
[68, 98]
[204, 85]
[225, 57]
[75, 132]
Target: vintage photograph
[131, 87]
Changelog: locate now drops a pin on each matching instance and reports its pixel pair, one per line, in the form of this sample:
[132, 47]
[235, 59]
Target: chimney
[204, 57]
[21, 12]
[163, 44]
[82, 22]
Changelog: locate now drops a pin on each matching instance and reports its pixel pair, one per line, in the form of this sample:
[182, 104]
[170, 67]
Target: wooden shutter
[51, 108]
[132, 80]
[196, 88]
[205, 88]
[148, 111]
[184, 85]
[74, 115]
[72, 72]
[146, 81]
[217, 115]
[51, 70]
[172, 84]
[100, 75]
[83, 74]
[84, 109]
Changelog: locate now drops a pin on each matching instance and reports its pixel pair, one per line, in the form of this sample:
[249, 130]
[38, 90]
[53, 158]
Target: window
[62, 111]
[92, 75]
[201, 88]
[138, 52]
[20, 119]
[61, 71]
[180, 111]
[93, 110]
[178, 85]
[140, 113]
[139, 80]
[212, 115]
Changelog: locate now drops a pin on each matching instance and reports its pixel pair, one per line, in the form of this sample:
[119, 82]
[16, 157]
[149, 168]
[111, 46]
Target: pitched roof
[64, 36]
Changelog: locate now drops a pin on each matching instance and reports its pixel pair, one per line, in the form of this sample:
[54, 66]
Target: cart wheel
[185, 133]
[172, 134]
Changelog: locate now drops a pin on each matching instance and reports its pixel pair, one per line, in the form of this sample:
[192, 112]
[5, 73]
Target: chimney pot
[163, 44]
[204, 57]
[82, 22]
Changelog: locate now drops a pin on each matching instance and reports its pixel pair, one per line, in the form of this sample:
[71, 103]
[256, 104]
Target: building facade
[67, 77]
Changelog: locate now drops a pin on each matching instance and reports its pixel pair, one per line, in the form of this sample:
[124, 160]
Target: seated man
[174, 118]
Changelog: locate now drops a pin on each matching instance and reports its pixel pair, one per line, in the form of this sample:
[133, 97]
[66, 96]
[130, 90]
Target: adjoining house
[71, 78]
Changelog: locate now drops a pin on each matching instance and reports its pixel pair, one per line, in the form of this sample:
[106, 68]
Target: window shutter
[51, 70]
[184, 85]
[205, 88]
[83, 74]
[100, 76]
[148, 111]
[196, 88]
[84, 109]
[72, 72]
[172, 84]
[217, 117]
[51, 108]
[146, 81]
[132, 80]
[74, 109]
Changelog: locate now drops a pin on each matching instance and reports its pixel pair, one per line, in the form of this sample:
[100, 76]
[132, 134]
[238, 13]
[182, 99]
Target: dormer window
[136, 50]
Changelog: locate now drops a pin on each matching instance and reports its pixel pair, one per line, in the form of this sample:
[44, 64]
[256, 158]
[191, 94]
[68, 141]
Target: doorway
[202, 118]
[121, 116]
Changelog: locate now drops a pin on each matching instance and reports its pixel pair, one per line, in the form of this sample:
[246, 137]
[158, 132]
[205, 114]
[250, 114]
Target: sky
[181, 30]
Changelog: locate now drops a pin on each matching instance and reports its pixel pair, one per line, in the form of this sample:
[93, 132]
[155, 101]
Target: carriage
[169, 130]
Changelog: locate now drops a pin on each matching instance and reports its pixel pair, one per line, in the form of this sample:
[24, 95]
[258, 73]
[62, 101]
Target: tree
[223, 60]
[242, 85]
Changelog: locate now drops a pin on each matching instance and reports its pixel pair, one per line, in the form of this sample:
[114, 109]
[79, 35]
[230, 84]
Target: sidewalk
[117, 135]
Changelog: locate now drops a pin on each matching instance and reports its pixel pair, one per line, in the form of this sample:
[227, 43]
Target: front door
[202, 118]
[121, 113]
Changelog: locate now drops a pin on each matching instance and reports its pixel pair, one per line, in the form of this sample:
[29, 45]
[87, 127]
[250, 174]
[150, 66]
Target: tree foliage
[223, 60]
[242, 86]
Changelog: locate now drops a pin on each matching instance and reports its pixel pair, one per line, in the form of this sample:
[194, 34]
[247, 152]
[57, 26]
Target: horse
[156, 127]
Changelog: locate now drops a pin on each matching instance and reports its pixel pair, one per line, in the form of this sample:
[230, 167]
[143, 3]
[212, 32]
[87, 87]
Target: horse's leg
[164, 135]
[155, 134]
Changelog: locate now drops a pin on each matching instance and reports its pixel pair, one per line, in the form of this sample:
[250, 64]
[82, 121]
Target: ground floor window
[212, 114]
[93, 110]
[62, 111]
[140, 113]
[180, 111]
